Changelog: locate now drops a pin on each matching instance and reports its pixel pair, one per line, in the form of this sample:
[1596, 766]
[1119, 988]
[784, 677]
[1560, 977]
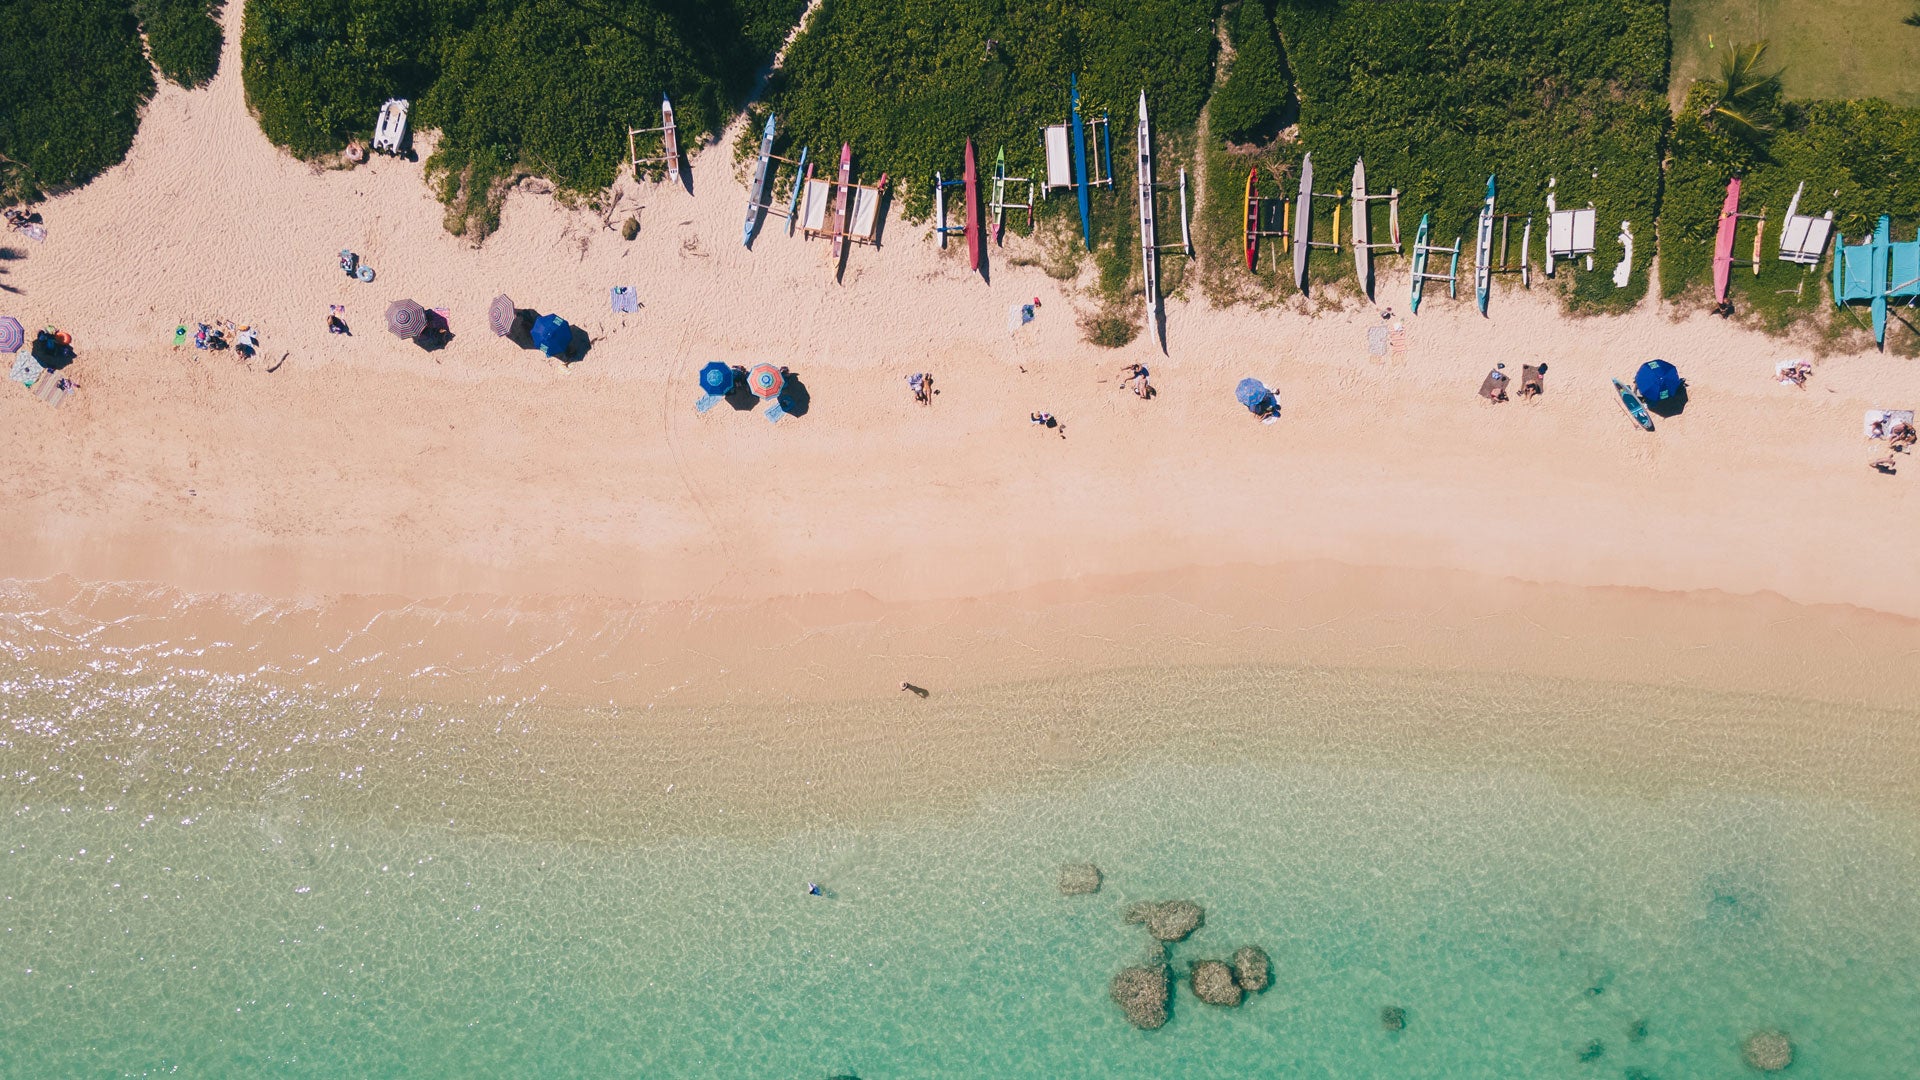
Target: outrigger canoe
[1419, 263]
[1723, 242]
[1483, 252]
[1251, 235]
[1362, 236]
[1303, 223]
[1148, 250]
[976, 234]
[757, 191]
[670, 138]
[1080, 164]
[846, 201]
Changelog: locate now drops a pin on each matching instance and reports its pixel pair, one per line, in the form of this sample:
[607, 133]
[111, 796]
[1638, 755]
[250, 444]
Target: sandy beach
[336, 466]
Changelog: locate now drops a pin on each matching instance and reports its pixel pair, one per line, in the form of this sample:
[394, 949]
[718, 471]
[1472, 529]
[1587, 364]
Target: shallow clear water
[213, 875]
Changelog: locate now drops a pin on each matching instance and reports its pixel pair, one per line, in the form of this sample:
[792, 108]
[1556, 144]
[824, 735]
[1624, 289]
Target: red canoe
[976, 236]
[1723, 241]
[846, 200]
[1252, 233]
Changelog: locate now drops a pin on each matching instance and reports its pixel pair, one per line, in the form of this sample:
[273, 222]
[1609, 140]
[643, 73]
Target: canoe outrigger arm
[669, 154]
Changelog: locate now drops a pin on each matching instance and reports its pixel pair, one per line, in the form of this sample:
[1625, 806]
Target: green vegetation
[183, 37]
[907, 82]
[1859, 158]
[1436, 95]
[546, 87]
[72, 81]
[1252, 99]
[1745, 100]
[1834, 49]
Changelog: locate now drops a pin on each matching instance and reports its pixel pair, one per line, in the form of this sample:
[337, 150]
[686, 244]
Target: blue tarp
[551, 334]
[1657, 380]
[1254, 395]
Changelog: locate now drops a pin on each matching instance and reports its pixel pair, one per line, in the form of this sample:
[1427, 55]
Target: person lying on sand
[1533, 380]
[922, 385]
[1885, 466]
[336, 324]
[1902, 434]
[1135, 378]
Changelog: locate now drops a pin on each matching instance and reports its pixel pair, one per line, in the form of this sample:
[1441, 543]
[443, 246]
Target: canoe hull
[846, 200]
[1080, 166]
[1723, 241]
[1419, 263]
[1362, 232]
[757, 191]
[1251, 236]
[1303, 223]
[976, 236]
[1483, 252]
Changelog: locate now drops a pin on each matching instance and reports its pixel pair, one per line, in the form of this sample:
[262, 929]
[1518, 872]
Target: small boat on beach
[1250, 236]
[1303, 215]
[1080, 163]
[976, 236]
[757, 191]
[1723, 242]
[670, 140]
[845, 210]
[1483, 252]
[1422, 252]
[1148, 249]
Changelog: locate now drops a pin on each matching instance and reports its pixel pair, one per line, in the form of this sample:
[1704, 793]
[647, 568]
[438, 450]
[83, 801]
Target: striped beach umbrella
[766, 380]
[406, 319]
[502, 315]
[12, 336]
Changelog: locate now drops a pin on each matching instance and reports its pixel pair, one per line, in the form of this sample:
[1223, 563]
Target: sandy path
[364, 464]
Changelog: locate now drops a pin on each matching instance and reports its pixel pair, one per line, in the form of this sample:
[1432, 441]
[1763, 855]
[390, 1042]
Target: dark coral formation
[1141, 993]
[1079, 879]
[1168, 920]
[1213, 983]
[1252, 969]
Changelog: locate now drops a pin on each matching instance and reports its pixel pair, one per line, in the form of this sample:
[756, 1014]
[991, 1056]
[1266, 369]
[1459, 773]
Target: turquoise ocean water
[209, 875]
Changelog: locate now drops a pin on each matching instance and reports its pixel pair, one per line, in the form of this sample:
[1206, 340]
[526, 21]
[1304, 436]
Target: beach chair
[863, 227]
[1803, 239]
[1570, 233]
[390, 131]
[818, 199]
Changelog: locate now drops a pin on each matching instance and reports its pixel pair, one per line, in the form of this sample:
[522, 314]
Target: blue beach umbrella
[716, 379]
[1254, 395]
[1657, 380]
[551, 334]
[12, 336]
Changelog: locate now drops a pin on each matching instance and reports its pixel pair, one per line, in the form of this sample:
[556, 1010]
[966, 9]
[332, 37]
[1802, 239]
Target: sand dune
[338, 465]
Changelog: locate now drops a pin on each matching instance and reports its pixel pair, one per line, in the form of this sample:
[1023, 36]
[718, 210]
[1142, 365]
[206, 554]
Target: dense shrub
[1859, 158]
[72, 81]
[908, 81]
[1437, 94]
[183, 37]
[548, 86]
[1257, 85]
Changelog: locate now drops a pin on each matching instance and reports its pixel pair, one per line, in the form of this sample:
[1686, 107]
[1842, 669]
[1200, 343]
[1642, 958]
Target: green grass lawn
[1830, 48]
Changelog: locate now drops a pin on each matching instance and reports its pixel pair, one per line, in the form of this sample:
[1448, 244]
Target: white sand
[364, 464]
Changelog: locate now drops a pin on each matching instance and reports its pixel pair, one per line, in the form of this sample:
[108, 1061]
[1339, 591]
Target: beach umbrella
[502, 315]
[12, 336]
[406, 318]
[1253, 394]
[551, 334]
[716, 378]
[766, 381]
[1657, 380]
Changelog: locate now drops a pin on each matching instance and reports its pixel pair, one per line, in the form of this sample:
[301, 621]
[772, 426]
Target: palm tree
[1742, 96]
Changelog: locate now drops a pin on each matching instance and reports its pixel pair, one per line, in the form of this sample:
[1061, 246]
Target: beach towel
[53, 390]
[26, 370]
[1398, 339]
[1530, 377]
[1493, 386]
[1886, 418]
[1019, 315]
[179, 335]
[625, 299]
[1377, 341]
[1780, 371]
